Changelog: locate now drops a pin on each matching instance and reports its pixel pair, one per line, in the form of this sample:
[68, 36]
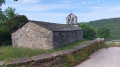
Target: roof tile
[55, 26]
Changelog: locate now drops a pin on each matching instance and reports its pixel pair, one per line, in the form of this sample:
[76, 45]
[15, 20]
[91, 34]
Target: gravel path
[107, 57]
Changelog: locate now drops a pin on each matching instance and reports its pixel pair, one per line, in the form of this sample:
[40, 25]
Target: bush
[81, 55]
[10, 26]
[103, 32]
[88, 31]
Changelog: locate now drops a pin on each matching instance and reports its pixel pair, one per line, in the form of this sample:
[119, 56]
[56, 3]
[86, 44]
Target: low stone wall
[48, 60]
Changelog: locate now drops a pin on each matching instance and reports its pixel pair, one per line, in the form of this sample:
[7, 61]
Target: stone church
[45, 35]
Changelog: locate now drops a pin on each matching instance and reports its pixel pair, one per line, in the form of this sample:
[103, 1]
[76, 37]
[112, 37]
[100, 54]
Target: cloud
[29, 1]
[98, 1]
[57, 10]
[85, 2]
[115, 8]
[25, 5]
[97, 7]
[48, 17]
[37, 5]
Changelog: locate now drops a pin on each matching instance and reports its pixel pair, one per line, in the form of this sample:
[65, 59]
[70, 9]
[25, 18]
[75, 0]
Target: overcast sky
[57, 10]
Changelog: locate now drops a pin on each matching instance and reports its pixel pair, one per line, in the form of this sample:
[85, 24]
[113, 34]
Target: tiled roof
[55, 26]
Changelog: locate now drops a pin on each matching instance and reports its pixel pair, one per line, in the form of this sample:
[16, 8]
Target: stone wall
[61, 38]
[36, 37]
[51, 59]
[33, 36]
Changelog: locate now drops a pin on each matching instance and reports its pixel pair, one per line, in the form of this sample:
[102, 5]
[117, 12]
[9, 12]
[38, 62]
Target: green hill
[113, 24]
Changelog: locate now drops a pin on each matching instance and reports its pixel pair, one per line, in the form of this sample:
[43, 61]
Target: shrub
[79, 56]
[88, 31]
[10, 26]
[103, 32]
[69, 61]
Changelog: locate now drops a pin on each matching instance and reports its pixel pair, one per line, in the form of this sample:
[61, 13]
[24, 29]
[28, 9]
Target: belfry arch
[71, 19]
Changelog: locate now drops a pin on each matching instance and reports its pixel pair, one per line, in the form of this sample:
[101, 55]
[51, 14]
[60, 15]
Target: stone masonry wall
[36, 37]
[33, 36]
[51, 59]
[62, 38]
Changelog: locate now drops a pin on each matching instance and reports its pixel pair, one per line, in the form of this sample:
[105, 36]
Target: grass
[9, 52]
[112, 45]
[74, 59]
[113, 41]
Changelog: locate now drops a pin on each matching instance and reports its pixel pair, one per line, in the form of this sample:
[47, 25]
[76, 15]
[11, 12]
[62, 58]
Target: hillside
[113, 24]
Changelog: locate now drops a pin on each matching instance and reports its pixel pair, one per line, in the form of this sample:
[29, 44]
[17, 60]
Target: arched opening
[73, 21]
[68, 21]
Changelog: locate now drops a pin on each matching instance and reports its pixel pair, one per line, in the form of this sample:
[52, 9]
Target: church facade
[45, 35]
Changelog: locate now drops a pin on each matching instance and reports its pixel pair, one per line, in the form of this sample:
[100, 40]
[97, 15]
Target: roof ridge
[55, 26]
[44, 22]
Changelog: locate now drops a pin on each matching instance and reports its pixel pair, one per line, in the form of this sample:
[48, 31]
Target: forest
[113, 24]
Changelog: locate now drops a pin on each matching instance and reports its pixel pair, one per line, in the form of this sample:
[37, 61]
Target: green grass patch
[9, 52]
[112, 45]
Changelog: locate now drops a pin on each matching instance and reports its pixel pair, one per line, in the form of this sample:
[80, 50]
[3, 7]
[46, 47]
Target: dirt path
[107, 57]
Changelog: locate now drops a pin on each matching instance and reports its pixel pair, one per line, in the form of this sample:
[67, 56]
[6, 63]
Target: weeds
[9, 52]
[80, 56]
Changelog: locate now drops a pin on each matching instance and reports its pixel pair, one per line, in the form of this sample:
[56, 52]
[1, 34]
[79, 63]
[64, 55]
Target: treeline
[89, 32]
[6, 28]
[112, 24]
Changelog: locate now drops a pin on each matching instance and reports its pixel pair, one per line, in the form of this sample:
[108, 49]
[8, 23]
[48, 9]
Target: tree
[2, 17]
[103, 32]
[10, 26]
[3, 2]
[7, 14]
[88, 31]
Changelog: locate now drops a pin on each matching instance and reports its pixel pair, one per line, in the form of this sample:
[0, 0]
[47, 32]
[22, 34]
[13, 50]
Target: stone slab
[62, 53]
[41, 57]
[18, 61]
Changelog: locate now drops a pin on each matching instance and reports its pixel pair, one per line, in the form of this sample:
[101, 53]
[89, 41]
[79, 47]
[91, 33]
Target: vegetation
[78, 57]
[89, 31]
[103, 32]
[10, 26]
[112, 24]
[9, 52]
[3, 2]
[114, 43]
[10, 22]
[7, 14]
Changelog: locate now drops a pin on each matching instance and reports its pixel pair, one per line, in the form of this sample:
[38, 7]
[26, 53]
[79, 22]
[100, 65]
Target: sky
[56, 11]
